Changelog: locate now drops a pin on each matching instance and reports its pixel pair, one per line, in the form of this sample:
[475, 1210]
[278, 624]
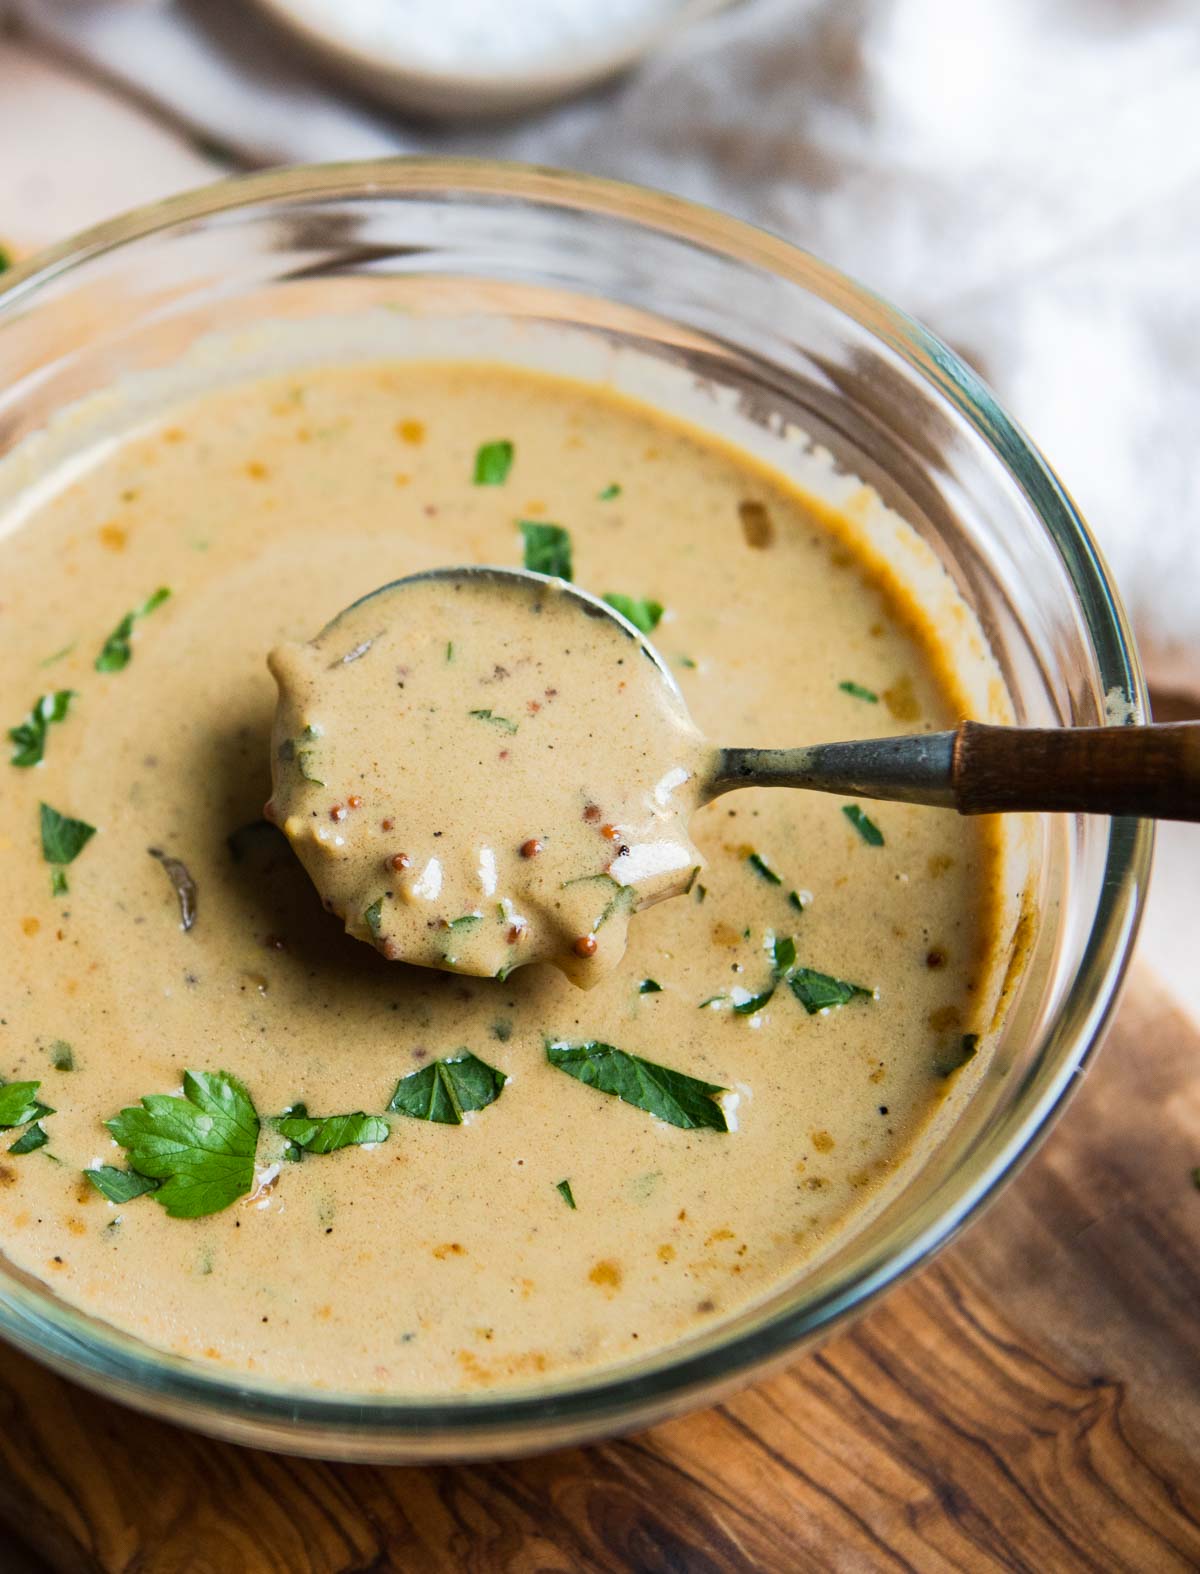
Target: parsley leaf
[32, 1138]
[445, 1090]
[58, 882]
[201, 1146]
[783, 954]
[6, 261]
[547, 548]
[328, 1133]
[63, 839]
[672, 1096]
[497, 721]
[373, 916]
[29, 736]
[18, 1104]
[752, 1003]
[643, 614]
[120, 1185]
[563, 1188]
[468, 921]
[859, 693]
[957, 1056]
[649, 986]
[117, 650]
[493, 461]
[610, 491]
[762, 868]
[818, 991]
[866, 828]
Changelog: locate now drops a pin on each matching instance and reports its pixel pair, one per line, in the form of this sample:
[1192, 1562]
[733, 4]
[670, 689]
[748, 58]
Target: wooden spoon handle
[1152, 771]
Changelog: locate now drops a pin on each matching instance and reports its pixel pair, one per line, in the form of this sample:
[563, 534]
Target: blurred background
[1023, 175]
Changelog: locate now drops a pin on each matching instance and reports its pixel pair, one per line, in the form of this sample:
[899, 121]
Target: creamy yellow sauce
[481, 774]
[447, 1256]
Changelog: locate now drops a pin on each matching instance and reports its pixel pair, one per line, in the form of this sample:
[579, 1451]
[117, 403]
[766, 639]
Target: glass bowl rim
[71, 1343]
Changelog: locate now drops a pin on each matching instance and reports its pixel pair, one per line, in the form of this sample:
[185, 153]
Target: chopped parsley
[797, 901]
[58, 655]
[466, 922]
[447, 1089]
[747, 1006]
[63, 839]
[496, 721]
[493, 461]
[199, 1146]
[5, 259]
[29, 736]
[649, 986]
[669, 1095]
[117, 650]
[18, 1104]
[58, 882]
[957, 1056]
[120, 1185]
[866, 828]
[686, 661]
[819, 991]
[610, 491]
[783, 954]
[373, 916]
[643, 614]
[563, 1188]
[298, 749]
[762, 868]
[859, 692]
[62, 1056]
[328, 1133]
[32, 1138]
[547, 548]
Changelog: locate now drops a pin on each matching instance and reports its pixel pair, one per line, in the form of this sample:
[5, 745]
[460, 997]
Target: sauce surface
[480, 774]
[555, 1228]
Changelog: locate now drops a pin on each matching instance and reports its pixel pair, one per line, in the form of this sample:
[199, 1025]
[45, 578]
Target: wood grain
[1031, 1402]
[1152, 770]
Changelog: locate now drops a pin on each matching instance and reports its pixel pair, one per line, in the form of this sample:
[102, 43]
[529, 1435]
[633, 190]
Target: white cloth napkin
[1024, 175]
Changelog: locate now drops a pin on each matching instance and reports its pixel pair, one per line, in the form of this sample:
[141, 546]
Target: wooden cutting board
[1031, 1401]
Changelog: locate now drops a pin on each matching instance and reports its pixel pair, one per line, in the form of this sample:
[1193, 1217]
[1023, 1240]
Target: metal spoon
[1151, 770]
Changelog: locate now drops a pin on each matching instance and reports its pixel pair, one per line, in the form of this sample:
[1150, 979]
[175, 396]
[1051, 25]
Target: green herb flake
[29, 736]
[714, 1002]
[328, 1133]
[502, 1030]
[858, 692]
[957, 1056]
[610, 491]
[447, 1089]
[58, 655]
[467, 922]
[671, 1096]
[496, 721]
[797, 901]
[783, 954]
[62, 1056]
[373, 916]
[649, 986]
[120, 1185]
[563, 1188]
[819, 991]
[701, 892]
[686, 661]
[19, 1105]
[866, 828]
[32, 1138]
[547, 548]
[63, 838]
[449, 650]
[493, 461]
[1196, 1177]
[753, 1003]
[117, 650]
[643, 614]
[200, 1146]
[6, 261]
[762, 868]
[58, 882]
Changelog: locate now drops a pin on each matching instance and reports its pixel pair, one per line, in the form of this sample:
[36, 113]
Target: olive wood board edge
[1029, 1401]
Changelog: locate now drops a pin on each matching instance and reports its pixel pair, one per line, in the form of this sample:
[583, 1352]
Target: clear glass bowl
[796, 342]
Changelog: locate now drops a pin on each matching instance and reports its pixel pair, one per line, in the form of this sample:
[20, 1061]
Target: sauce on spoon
[476, 776]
